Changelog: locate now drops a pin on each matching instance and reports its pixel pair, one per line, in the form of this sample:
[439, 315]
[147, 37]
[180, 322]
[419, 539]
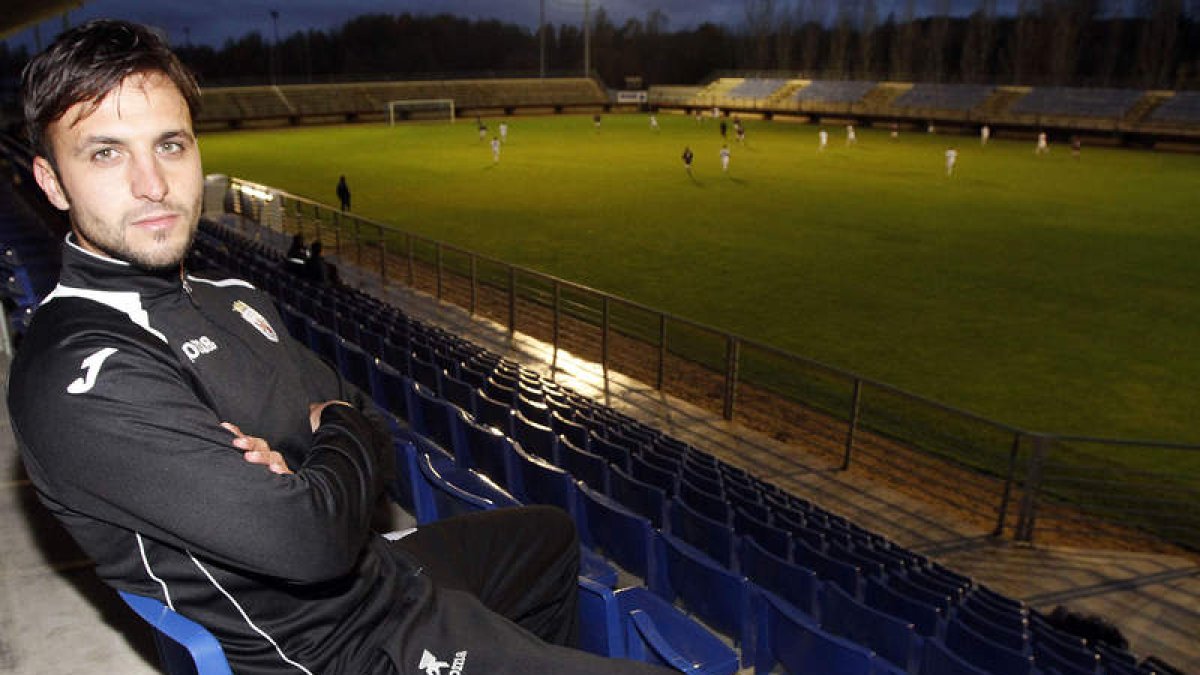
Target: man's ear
[47, 179]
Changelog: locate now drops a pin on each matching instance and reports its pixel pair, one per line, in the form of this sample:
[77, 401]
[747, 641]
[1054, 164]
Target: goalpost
[420, 109]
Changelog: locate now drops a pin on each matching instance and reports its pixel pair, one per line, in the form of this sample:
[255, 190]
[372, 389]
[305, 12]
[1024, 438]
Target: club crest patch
[257, 320]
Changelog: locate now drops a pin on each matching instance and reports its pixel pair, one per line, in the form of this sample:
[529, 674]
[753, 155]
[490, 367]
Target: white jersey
[495, 149]
[823, 138]
[725, 159]
[951, 159]
[503, 131]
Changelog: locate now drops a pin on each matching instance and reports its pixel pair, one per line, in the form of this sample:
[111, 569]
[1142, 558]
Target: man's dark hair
[85, 63]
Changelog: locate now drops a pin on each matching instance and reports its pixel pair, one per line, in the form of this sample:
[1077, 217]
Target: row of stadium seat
[784, 552]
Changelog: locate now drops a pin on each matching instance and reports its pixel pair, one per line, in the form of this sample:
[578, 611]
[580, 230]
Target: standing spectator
[343, 193]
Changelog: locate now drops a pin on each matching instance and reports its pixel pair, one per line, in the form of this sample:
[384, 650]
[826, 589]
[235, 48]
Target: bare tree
[1160, 33]
[760, 17]
[839, 42]
[867, 37]
[784, 37]
[979, 43]
[904, 44]
[939, 32]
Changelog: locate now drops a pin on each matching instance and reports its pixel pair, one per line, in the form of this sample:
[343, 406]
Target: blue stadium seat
[788, 637]
[615, 453]
[724, 600]
[184, 646]
[795, 584]
[583, 465]
[663, 479]
[534, 438]
[829, 569]
[715, 538]
[389, 389]
[644, 499]
[773, 539]
[576, 433]
[926, 618]
[891, 638]
[937, 659]
[634, 623]
[432, 417]
[486, 450]
[536, 481]
[703, 499]
[353, 364]
[984, 652]
[620, 534]
[493, 412]
[457, 391]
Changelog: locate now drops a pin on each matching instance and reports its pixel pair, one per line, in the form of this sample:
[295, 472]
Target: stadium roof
[21, 13]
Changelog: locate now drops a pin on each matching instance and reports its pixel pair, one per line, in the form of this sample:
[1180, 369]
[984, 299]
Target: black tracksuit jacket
[116, 396]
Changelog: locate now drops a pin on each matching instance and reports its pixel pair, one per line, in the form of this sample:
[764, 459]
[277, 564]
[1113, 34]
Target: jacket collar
[83, 269]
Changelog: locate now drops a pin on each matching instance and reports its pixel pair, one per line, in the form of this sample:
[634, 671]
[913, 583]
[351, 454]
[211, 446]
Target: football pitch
[1055, 293]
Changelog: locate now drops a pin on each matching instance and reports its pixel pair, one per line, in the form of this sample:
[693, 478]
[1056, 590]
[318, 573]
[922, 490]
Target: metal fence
[1011, 481]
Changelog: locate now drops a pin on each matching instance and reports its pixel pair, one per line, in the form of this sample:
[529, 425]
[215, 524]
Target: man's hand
[256, 450]
[315, 410]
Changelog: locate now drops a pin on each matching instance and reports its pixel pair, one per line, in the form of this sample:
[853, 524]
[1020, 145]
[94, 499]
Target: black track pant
[505, 600]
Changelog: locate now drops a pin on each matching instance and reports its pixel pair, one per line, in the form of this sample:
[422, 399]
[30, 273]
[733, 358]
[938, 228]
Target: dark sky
[214, 21]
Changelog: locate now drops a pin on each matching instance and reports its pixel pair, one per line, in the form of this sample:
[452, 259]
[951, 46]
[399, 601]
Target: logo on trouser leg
[431, 665]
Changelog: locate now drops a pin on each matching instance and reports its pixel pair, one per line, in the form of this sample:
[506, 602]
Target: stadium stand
[832, 91]
[960, 97]
[234, 106]
[1076, 102]
[755, 88]
[1183, 108]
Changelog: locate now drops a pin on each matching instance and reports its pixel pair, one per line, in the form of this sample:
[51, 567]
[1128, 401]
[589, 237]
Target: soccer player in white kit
[951, 160]
[503, 131]
[1042, 145]
[822, 140]
[851, 137]
[985, 133]
[725, 158]
[654, 122]
[495, 150]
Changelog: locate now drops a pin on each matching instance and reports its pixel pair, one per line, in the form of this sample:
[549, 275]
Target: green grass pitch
[1049, 292]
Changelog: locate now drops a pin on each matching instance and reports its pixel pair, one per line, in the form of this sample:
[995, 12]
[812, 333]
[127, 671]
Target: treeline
[1118, 43]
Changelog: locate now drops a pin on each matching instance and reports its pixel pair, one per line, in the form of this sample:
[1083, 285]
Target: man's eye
[170, 147]
[104, 154]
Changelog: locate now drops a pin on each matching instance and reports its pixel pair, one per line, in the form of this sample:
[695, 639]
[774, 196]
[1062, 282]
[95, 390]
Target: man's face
[128, 172]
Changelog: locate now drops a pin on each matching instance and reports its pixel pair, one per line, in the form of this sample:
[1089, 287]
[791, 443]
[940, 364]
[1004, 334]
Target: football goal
[427, 109]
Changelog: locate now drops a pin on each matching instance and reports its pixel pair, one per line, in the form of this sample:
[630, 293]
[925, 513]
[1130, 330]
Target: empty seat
[891, 638]
[722, 599]
[620, 534]
[644, 499]
[715, 538]
[796, 584]
[583, 465]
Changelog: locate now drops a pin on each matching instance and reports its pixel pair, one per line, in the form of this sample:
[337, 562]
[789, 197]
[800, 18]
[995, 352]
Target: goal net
[426, 109]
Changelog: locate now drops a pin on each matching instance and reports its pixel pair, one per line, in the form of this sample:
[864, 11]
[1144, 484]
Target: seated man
[203, 458]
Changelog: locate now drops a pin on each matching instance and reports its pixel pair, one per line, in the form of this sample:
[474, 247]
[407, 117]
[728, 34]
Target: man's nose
[148, 180]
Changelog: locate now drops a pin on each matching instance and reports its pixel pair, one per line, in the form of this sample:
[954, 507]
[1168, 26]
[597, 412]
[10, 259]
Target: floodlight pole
[542, 39]
[275, 46]
[587, 38]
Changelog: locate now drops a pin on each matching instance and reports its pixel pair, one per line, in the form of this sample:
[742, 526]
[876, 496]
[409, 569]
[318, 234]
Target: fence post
[317, 219]
[382, 259]
[357, 243]
[1033, 483]
[557, 321]
[412, 274]
[1008, 484]
[337, 232]
[604, 338]
[512, 301]
[855, 406]
[437, 247]
[474, 284]
[732, 354]
[662, 352]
